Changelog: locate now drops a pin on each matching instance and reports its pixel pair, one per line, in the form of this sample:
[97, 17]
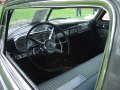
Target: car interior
[60, 53]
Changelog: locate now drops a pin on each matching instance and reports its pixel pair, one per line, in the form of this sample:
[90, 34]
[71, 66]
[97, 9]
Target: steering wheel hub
[50, 46]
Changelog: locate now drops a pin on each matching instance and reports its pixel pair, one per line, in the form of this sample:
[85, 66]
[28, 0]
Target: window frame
[105, 5]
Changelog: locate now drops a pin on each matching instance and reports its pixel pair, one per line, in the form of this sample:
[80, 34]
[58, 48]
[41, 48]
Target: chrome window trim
[6, 76]
[100, 3]
[20, 82]
[108, 47]
[4, 87]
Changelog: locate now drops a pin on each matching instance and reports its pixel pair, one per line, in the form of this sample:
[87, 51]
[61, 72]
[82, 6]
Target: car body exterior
[12, 78]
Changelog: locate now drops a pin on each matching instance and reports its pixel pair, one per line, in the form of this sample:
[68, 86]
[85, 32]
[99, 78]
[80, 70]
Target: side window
[73, 13]
[106, 17]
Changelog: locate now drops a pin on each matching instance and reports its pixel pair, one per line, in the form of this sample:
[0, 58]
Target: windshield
[22, 17]
[26, 16]
[74, 13]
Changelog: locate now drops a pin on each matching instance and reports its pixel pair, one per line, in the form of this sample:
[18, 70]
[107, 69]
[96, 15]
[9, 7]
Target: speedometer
[20, 44]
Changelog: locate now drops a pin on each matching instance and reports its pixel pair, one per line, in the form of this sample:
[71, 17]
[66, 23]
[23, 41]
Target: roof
[24, 1]
[17, 2]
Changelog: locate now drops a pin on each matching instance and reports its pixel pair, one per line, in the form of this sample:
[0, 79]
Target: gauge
[20, 44]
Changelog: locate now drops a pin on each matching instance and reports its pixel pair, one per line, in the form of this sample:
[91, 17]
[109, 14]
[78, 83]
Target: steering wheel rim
[29, 56]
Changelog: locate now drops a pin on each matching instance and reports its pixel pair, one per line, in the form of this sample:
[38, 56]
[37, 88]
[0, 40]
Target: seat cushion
[74, 77]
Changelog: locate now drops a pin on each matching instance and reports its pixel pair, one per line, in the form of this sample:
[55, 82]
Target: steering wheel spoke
[51, 33]
[59, 51]
[36, 41]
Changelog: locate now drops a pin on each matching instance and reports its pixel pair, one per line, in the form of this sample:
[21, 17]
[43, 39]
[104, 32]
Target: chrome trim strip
[9, 81]
[17, 78]
[3, 83]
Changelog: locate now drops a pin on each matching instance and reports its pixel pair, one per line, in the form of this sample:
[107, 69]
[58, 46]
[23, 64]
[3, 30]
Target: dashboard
[17, 41]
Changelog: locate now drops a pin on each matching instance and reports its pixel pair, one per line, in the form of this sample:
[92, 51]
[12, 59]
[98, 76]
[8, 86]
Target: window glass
[24, 16]
[74, 13]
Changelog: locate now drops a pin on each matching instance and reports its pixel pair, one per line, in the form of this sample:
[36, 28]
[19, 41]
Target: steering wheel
[51, 41]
